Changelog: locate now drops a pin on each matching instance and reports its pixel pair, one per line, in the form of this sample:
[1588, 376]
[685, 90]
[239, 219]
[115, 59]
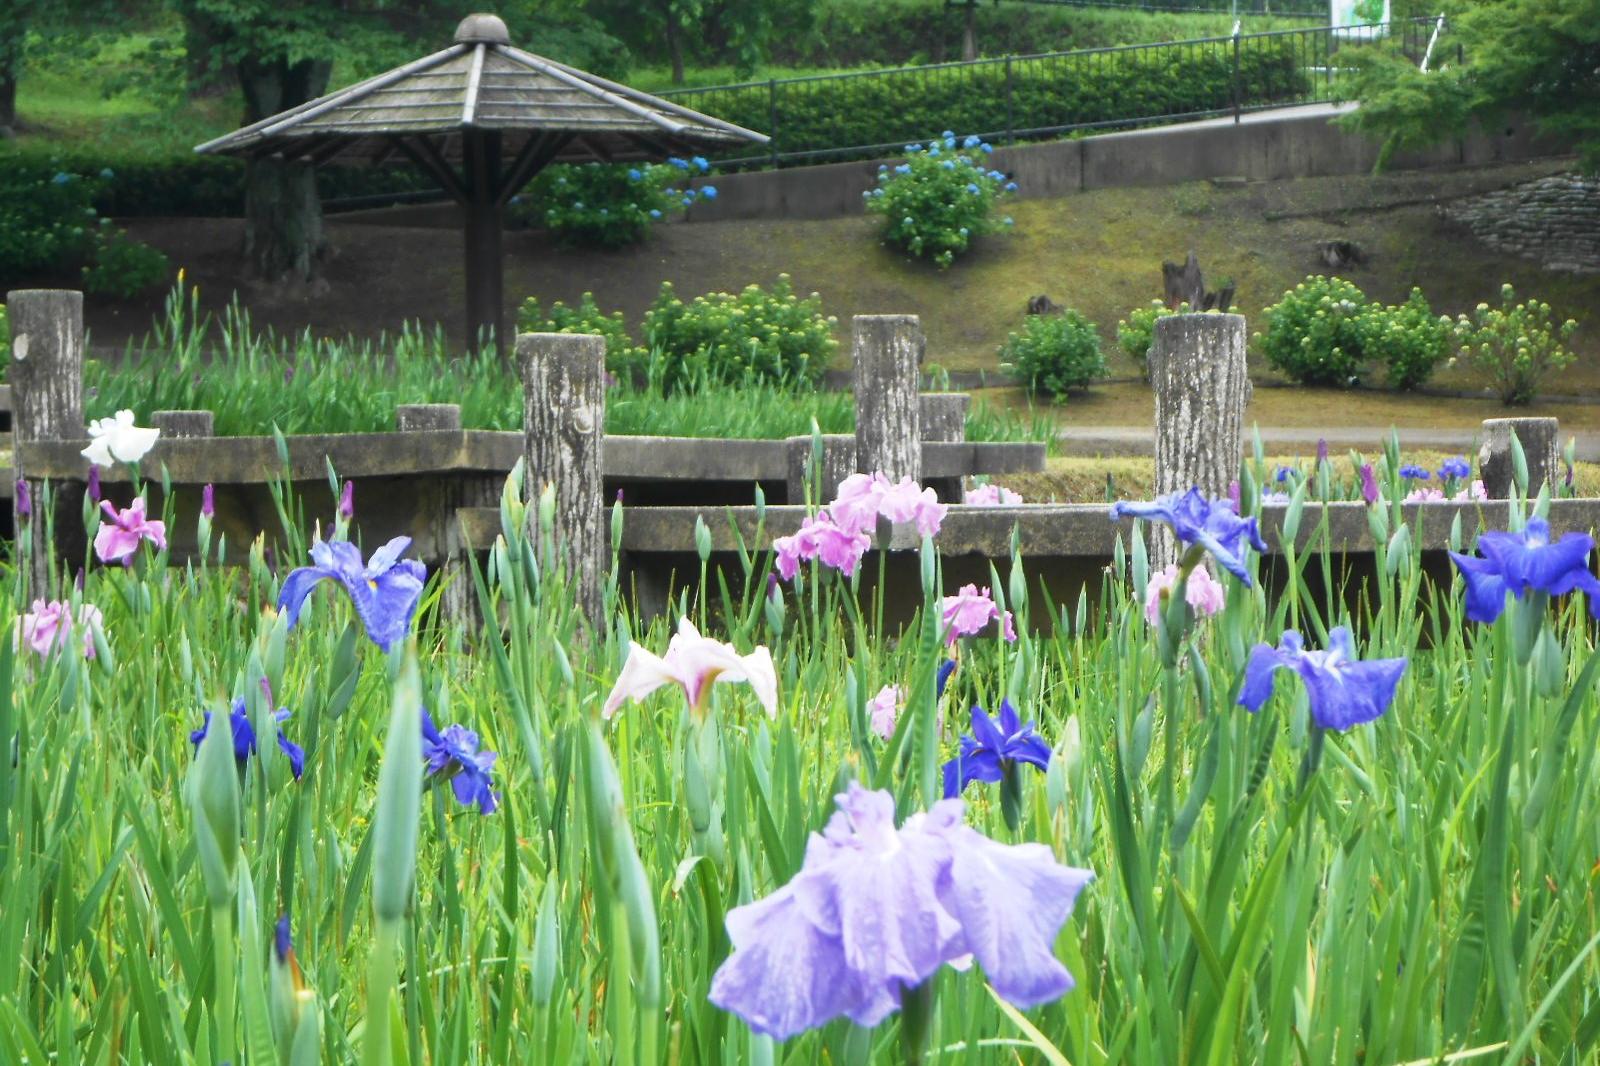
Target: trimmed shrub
[1408, 339]
[1516, 344]
[940, 198]
[757, 335]
[624, 359]
[609, 205]
[1054, 354]
[124, 267]
[47, 223]
[1314, 334]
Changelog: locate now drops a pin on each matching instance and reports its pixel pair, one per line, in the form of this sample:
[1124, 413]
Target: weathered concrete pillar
[423, 417]
[564, 408]
[888, 358]
[46, 378]
[184, 424]
[1539, 438]
[944, 418]
[1197, 371]
[838, 463]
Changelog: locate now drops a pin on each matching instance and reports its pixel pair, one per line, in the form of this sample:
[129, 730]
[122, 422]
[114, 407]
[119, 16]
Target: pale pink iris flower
[693, 663]
[884, 709]
[1205, 594]
[50, 625]
[990, 496]
[118, 539]
[820, 538]
[863, 497]
[969, 611]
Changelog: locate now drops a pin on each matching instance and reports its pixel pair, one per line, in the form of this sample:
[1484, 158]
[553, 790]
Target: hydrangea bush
[610, 205]
[940, 198]
[623, 356]
[1408, 339]
[1314, 333]
[769, 335]
[49, 228]
[1054, 354]
[1516, 344]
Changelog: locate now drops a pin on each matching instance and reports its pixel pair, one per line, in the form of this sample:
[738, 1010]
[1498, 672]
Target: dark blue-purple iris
[1517, 562]
[454, 754]
[992, 748]
[1212, 524]
[385, 590]
[1344, 691]
[244, 737]
[1457, 468]
[946, 668]
[1415, 473]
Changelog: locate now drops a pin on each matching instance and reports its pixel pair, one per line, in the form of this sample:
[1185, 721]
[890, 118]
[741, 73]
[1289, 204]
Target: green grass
[1414, 888]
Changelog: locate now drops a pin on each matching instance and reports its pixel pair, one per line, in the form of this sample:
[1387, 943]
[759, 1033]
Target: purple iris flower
[1457, 468]
[347, 501]
[282, 941]
[1322, 450]
[992, 748]
[876, 910]
[454, 754]
[244, 737]
[1517, 562]
[208, 501]
[1344, 690]
[1369, 484]
[1214, 525]
[24, 499]
[1415, 472]
[385, 591]
[93, 487]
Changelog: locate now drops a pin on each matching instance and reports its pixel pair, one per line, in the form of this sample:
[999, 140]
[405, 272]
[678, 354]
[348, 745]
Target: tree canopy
[1539, 58]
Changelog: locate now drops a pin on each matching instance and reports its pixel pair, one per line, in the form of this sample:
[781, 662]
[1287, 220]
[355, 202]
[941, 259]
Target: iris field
[1248, 834]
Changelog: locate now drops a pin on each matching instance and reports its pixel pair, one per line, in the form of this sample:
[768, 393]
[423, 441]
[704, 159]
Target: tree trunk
[969, 32]
[1197, 370]
[675, 49]
[283, 236]
[8, 102]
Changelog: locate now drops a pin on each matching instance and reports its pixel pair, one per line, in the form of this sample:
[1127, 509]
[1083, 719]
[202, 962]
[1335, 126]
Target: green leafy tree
[25, 21]
[739, 32]
[1539, 58]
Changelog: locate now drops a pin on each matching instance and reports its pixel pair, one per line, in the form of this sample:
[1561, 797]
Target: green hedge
[185, 186]
[900, 106]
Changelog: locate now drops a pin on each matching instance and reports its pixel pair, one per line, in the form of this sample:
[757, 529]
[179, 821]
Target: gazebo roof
[482, 83]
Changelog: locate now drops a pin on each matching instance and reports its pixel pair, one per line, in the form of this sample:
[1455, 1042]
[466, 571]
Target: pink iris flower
[969, 611]
[693, 663]
[884, 709]
[820, 538]
[863, 497]
[50, 624]
[991, 496]
[1205, 594]
[119, 539]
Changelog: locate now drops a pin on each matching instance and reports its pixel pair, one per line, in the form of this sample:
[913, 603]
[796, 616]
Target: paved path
[1134, 440]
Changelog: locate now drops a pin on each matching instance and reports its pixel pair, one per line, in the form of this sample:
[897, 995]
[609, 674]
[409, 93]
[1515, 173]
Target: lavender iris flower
[1369, 484]
[385, 591]
[1344, 690]
[876, 911]
[1212, 524]
[454, 754]
[1517, 562]
[992, 748]
[1457, 468]
[244, 737]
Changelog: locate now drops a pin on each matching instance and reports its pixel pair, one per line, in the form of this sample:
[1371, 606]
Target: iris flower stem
[226, 980]
[380, 984]
[916, 1022]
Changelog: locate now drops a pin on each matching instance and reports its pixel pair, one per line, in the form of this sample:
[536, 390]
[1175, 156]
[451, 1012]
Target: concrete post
[564, 407]
[421, 417]
[46, 377]
[184, 424]
[838, 463]
[944, 418]
[1539, 439]
[888, 358]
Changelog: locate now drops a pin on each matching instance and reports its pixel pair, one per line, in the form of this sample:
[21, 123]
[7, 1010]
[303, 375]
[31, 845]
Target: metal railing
[1290, 9]
[1030, 97]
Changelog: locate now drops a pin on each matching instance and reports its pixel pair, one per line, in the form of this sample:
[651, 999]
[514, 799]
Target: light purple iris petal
[385, 592]
[1343, 691]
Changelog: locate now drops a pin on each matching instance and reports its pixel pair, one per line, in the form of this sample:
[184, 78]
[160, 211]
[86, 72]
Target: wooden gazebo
[483, 118]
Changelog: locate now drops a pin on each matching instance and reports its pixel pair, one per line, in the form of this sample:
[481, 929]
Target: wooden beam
[427, 157]
[534, 157]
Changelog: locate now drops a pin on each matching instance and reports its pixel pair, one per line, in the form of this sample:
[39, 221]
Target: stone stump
[1539, 438]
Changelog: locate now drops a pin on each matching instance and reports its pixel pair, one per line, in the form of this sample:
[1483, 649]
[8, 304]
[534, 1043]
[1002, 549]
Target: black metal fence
[1296, 9]
[1016, 98]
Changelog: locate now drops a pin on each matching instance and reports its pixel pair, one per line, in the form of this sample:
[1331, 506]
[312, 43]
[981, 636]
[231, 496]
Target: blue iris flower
[454, 754]
[946, 668]
[1344, 691]
[1517, 562]
[992, 748]
[1282, 474]
[244, 737]
[1415, 472]
[1455, 468]
[1211, 524]
[385, 591]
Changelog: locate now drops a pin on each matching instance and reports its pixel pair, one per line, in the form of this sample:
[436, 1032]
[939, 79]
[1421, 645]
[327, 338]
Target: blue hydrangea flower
[107, 173]
[903, 168]
[1455, 468]
[948, 164]
[963, 231]
[1415, 472]
[1344, 691]
[634, 174]
[681, 164]
[700, 163]
[1517, 562]
[972, 141]
[913, 148]
[708, 191]
[577, 205]
[61, 178]
[1011, 186]
[385, 591]
[1006, 221]
[876, 910]
[454, 755]
[244, 737]
[986, 148]
[972, 189]
[655, 212]
[991, 748]
[1212, 524]
[933, 149]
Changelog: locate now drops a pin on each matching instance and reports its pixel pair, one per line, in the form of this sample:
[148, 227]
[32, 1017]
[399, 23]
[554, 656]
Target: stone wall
[1554, 220]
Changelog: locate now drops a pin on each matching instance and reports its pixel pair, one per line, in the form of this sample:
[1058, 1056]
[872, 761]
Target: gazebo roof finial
[482, 29]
